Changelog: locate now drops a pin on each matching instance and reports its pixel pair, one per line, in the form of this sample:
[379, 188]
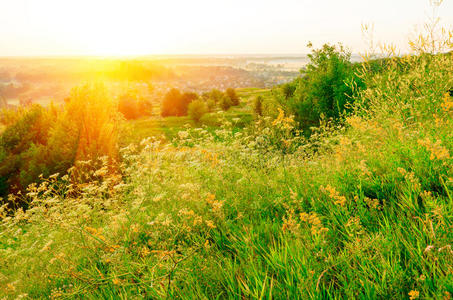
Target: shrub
[258, 105]
[225, 103]
[288, 90]
[176, 104]
[132, 106]
[234, 98]
[46, 141]
[326, 88]
[197, 109]
[215, 95]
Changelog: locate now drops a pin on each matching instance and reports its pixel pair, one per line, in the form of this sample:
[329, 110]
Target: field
[156, 126]
[239, 206]
[226, 150]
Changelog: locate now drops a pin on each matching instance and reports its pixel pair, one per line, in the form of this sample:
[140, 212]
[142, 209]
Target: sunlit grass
[362, 210]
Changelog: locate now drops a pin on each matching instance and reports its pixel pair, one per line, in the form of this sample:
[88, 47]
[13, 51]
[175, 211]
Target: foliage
[215, 95]
[197, 109]
[176, 104]
[234, 98]
[288, 90]
[225, 103]
[361, 209]
[284, 217]
[133, 107]
[326, 88]
[258, 105]
[46, 141]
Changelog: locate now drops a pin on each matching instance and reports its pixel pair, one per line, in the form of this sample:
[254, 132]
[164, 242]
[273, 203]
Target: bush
[46, 141]
[176, 104]
[225, 103]
[133, 107]
[215, 95]
[288, 90]
[197, 109]
[258, 105]
[326, 89]
[234, 98]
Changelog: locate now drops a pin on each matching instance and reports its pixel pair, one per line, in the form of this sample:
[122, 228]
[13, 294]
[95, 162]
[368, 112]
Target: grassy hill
[167, 128]
[359, 210]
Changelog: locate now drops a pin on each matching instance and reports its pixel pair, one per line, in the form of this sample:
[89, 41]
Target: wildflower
[197, 220]
[437, 150]
[428, 248]
[363, 168]
[183, 134]
[217, 205]
[144, 251]
[11, 287]
[166, 222]
[116, 281]
[414, 294]
[317, 227]
[447, 105]
[54, 176]
[210, 224]
[46, 246]
[135, 228]
[207, 245]
[333, 194]
[401, 171]
[101, 172]
[344, 141]
[289, 223]
[210, 198]
[357, 123]
[91, 230]
[281, 115]
[372, 203]
[447, 247]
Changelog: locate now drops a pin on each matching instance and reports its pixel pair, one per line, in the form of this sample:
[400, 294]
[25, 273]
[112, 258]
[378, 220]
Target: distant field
[157, 126]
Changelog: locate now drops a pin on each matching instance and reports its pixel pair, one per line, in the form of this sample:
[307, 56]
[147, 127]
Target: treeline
[176, 103]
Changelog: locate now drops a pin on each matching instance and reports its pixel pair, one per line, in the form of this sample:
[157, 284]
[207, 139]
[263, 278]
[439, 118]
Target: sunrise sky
[141, 27]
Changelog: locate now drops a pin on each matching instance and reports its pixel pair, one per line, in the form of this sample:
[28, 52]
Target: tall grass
[363, 210]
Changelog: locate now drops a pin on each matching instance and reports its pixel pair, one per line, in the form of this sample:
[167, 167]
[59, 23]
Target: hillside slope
[363, 210]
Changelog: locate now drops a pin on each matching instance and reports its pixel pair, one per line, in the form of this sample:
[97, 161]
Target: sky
[147, 27]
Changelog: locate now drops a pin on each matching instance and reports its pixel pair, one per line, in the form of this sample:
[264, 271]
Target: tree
[49, 140]
[325, 89]
[231, 93]
[197, 109]
[225, 103]
[133, 106]
[176, 104]
[216, 95]
[258, 105]
[288, 90]
[128, 106]
[186, 99]
[170, 103]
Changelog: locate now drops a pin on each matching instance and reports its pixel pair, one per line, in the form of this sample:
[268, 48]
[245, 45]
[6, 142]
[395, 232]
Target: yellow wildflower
[210, 224]
[335, 195]
[447, 105]
[437, 150]
[414, 294]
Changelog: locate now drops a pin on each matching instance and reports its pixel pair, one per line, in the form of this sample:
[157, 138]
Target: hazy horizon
[134, 28]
